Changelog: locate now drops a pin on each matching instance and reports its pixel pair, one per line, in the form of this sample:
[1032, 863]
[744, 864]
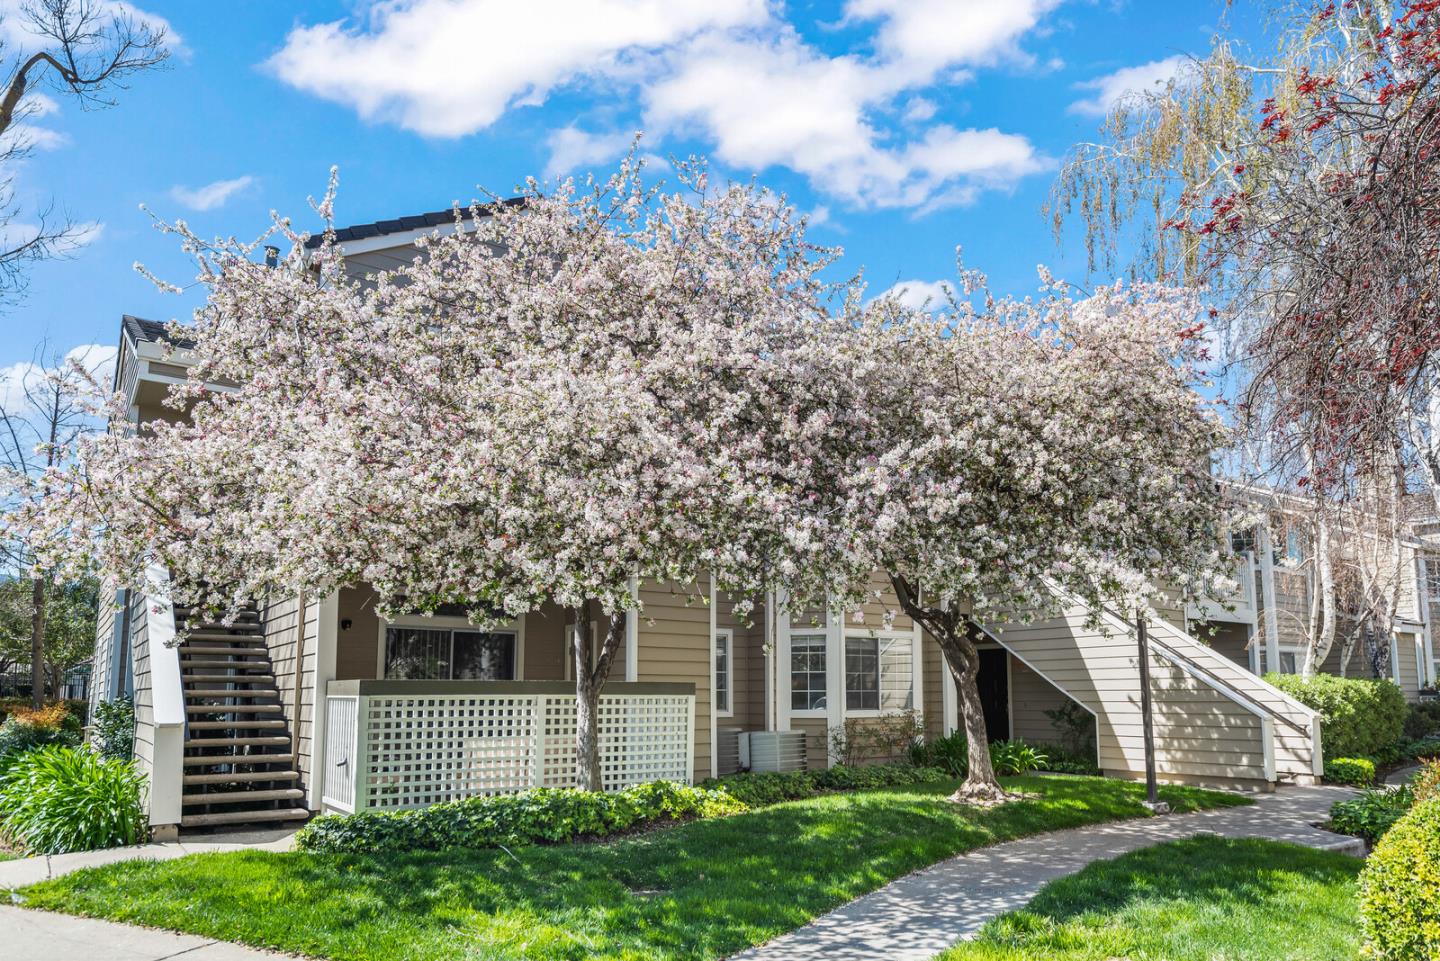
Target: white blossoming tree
[999, 450]
[555, 399]
[605, 384]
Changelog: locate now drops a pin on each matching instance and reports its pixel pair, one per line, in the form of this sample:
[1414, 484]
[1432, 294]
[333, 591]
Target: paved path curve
[920, 915]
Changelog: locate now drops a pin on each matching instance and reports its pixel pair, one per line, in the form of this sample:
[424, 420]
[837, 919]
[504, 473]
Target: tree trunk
[37, 643]
[588, 683]
[954, 632]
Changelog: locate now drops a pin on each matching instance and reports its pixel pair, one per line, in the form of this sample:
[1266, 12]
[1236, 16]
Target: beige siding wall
[1229, 640]
[674, 645]
[357, 647]
[1406, 666]
[144, 698]
[1200, 733]
[817, 743]
[103, 661]
[1030, 697]
[281, 615]
[937, 672]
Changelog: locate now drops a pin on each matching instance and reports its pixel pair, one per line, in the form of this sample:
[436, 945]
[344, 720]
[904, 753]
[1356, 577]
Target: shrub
[114, 729]
[1015, 757]
[1359, 771]
[77, 708]
[1358, 717]
[1423, 749]
[1371, 814]
[19, 736]
[1400, 890]
[883, 738]
[543, 815]
[762, 788]
[1425, 785]
[1062, 761]
[950, 753]
[1423, 721]
[59, 799]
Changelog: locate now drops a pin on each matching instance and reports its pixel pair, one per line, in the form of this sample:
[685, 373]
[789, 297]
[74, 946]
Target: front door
[994, 683]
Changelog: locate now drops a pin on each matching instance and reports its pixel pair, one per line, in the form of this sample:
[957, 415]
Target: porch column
[1267, 597]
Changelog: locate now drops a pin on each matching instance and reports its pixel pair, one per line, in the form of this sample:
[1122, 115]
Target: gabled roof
[400, 225]
[152, 331]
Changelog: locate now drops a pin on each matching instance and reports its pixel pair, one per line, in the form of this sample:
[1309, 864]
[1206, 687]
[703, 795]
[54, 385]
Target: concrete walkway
[60, 937]
[26, 871]
[922, 914]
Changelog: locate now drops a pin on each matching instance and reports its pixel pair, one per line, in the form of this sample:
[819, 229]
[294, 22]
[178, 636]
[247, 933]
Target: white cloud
[1111, 88]
[921, 294]
[451, 67]
[925, 35]
[19, 379]
[15, 30]
[211, 195]
[728, 72]
[572, 148]
[819, 119]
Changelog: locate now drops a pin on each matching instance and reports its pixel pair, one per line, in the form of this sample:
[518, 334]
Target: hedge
[758, 789]
[1358, 771]
[542, 815]
[1400, 890]
[1358, 717]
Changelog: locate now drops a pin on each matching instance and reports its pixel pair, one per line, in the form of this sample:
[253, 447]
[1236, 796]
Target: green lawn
[701, 890]
[1203, 899]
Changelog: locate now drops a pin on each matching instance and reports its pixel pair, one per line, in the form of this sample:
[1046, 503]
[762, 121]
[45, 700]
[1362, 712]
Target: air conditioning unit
[772, 750]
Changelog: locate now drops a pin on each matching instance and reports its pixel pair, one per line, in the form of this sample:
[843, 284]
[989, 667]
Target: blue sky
[905, 126]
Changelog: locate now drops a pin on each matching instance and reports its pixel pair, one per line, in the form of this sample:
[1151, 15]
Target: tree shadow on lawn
[704, 889]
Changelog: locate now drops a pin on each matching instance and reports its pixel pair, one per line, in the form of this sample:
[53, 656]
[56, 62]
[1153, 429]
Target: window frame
[814, 642]
[724, 638]
[440, 622]
[905, 641]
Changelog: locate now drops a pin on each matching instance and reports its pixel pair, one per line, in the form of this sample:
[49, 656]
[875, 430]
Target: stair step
[268, 679]
[255, 740]
[246, 636]
[239, 724]
[242, 817]
[231, 692]
[240, 797]
[232, 708]
[248, 760]
[237, 777]
[237, 651]
[186, 663]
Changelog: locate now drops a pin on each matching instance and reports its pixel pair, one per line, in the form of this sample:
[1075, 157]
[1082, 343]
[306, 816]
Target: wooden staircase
[239, 753]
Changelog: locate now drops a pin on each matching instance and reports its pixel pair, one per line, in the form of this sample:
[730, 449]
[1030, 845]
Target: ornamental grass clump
[541, 816]
[56, 799]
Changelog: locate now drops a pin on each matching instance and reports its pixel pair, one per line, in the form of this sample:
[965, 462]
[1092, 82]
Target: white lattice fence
[413, 750]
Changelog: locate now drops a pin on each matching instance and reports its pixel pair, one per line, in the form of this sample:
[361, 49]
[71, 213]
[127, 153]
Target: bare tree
[47, 413]
[83, 50]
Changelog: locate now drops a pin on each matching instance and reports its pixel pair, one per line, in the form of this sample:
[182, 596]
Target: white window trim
[729, 636]
[903, 636]
[820, 712]
[441, 622]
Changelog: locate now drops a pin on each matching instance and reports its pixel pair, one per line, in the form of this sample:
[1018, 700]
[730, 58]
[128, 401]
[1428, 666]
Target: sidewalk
[27, 871]
[60, 937]
[922, 914]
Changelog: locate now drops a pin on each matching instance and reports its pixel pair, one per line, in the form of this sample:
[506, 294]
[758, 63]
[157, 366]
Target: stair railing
[167, 693]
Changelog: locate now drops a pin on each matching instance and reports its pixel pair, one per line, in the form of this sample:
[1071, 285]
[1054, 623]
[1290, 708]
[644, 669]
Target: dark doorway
[994, 684]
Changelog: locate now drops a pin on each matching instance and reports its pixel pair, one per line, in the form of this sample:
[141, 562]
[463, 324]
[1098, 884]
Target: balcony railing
[393, 745]
[1239, 607]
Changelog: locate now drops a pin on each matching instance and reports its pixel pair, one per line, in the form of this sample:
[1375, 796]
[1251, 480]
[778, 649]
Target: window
[807, 672]
[1432, 577]
[1294, 549]
[1243, 542]
[879, 673]
[1288, 663]
[423, 653]
[722, 671]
